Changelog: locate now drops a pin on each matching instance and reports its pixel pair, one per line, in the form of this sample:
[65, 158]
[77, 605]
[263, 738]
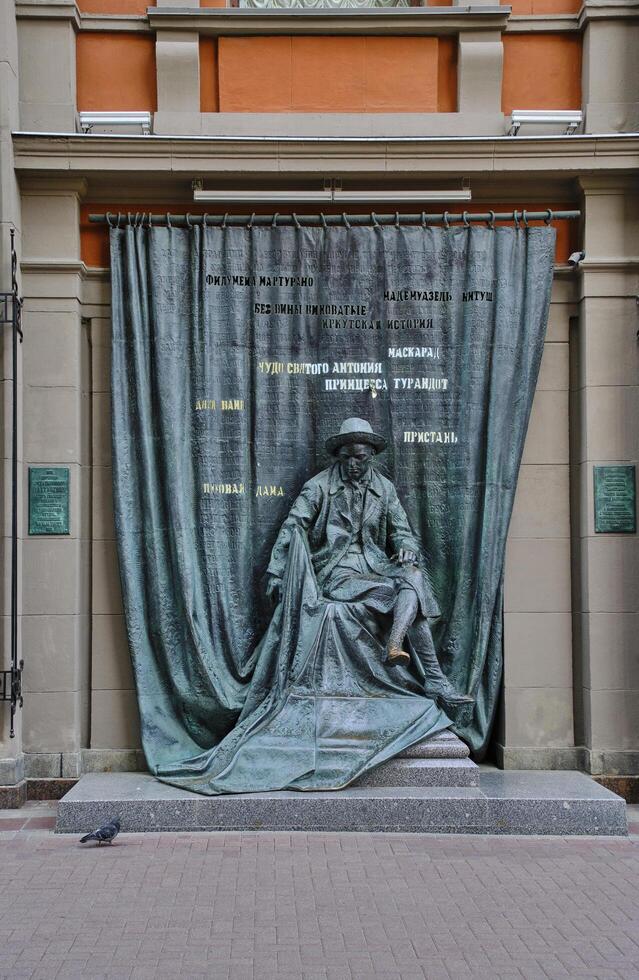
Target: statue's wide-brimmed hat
[353, 431]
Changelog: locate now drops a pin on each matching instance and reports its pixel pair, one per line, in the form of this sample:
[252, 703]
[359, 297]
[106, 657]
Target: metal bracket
[11, 685]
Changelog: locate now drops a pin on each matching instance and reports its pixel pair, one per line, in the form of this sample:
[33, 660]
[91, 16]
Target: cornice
[540, 23]
[49, 10]
[52, 267]
[223, 21]
[182, 157]
[115, 22]
[608, 10]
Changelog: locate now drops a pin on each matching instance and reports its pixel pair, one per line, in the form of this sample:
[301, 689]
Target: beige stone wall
[571, 681]
[535, 728]
[114, 714]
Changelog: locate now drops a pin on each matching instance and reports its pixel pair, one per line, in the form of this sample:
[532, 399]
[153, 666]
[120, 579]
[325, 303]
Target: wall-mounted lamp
[550, 121]
[332, 193]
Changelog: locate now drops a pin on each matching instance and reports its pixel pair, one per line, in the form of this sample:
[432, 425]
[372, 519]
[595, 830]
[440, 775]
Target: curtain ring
[374, 220]
[516, 219]
[548, 217]
[108, 219]
[274, 221]
[423, 219]
[445, 220]
[250, 221]
[128, 216]
[297, 224]
[323, 217]
[397, 219]
[223, 225]
[524, 218]
[465, 219]
[345, 220]
[150, 221]
[491, 220]
[204, 217]
[168, 220]
[188, 220]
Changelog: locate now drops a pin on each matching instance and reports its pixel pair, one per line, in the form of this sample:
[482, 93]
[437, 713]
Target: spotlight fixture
[566, 121]
[124, 123]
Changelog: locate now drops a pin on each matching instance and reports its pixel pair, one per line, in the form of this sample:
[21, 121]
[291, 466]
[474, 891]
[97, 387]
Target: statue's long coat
[322, 510]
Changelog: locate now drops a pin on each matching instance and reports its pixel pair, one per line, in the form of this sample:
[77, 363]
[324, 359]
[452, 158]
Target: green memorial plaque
[48, 500]
[615, 500]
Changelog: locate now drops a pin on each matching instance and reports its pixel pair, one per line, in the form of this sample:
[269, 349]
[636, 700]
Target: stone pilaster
[177, 55]
[605, 420]
[535, 729]
[479, 76]
[610, 66]
[57, 423]
[46, 39]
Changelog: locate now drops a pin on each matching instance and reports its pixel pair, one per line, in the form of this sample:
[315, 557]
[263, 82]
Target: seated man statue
[363, 550]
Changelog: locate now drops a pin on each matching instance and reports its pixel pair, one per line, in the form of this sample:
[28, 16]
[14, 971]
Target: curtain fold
[236, 352]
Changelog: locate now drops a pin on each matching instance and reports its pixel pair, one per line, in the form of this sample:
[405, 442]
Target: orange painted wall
[337, 74]
[447, 74]
[209, 89]
[113, 6]
[540, 7]
[133, 6]
[541, 71]
[116, 71]
[94, 239]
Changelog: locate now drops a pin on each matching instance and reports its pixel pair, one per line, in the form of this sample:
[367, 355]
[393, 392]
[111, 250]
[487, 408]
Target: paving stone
[319, 906]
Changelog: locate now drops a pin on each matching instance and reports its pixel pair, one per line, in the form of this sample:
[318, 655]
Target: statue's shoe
[448, 694]
[396, 656]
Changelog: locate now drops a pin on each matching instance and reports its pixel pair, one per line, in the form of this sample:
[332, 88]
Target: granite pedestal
[562, 803]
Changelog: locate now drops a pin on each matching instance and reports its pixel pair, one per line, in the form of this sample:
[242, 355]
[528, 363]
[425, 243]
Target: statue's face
[355, 460]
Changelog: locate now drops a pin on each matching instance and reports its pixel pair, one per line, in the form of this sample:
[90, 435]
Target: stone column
[12, 784]
[606, 425]
[57, 420]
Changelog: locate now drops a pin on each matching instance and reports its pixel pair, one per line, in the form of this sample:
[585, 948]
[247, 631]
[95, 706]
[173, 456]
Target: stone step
[445, 745]
[504, 803]
[422, 772]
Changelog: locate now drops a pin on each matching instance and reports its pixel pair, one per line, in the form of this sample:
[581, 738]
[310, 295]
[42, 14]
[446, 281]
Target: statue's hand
[406, 557]
[274, 590]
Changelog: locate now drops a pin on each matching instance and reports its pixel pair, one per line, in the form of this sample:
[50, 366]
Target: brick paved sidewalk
[316, 906]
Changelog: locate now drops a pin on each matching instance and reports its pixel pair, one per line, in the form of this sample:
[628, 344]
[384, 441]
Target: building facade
[263, 99]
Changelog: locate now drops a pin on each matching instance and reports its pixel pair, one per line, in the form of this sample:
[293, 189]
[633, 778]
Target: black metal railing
[11, 315]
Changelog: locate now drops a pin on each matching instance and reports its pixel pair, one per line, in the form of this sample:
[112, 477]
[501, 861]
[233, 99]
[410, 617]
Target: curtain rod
[445, 218]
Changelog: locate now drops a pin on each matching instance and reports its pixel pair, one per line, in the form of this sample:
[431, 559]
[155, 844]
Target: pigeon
[104, 835]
